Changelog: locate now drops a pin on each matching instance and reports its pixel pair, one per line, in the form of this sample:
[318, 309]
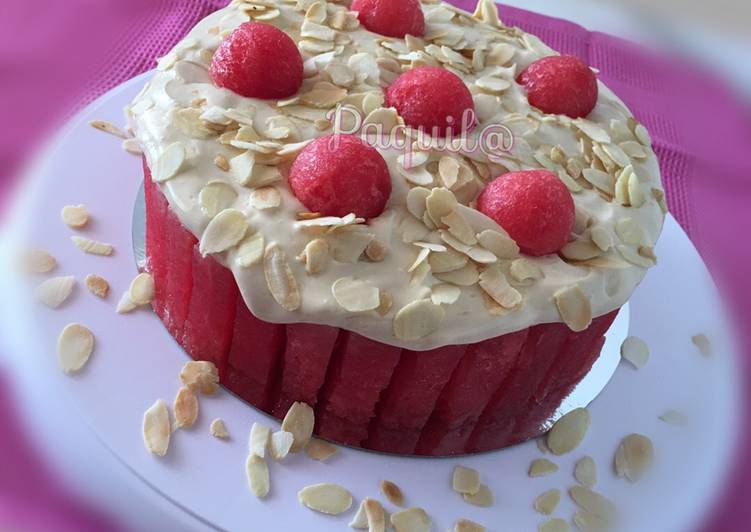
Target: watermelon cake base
[447, 401]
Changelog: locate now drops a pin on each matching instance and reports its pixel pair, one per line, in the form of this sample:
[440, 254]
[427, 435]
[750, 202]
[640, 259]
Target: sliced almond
[299, 421]
[465, 525]
[280, 280]
[354, 295]
[156, 428]
[589, 522]
[447, 261]
[499, 244]
[218, 429]
[703, 344]
[418, 319]
[76, 216]
[580, 250]
[55, 291]
[142, 288]
[635, 351]
[574, 307]
[548, 501]
[642, 135]
[445, 294]
[328, 499]
[281, 444]
[320, 450]
[200, 376]
[250, 250]
[375, 515]
[259, 439]
[97, 285]
[634, 257]
[169, 163]
[348, 244]
[542, 467]
[600, 180]
[316, 256]
[629, 231]
[39, 261]
[376, 251]
[392, 492]
[257, 471]
[483, 498]
[486, 11]
[91, 246]
[241, 167]
[441, 202]
[125, 304]
[265, 198]
[216, 197]
[601, 238]
[522, 270]
[448, 169]
[222, 163]
[634, 457]
[108, 127]
[186, 408]
[74, 347]
[585, 472]
[569, 431]
[360, 520]
[674, 417]
[416, 198]
[459, 228]
[593, 502]
[411, 520]
[495, 284]
[554, 525]
[224, 231]
[465, 480]
[465, 276]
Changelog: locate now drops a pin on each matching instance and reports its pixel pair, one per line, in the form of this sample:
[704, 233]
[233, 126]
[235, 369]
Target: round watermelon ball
[258, 61]
[533, 206]
[337, 175]
[562, 85]
[393, 18]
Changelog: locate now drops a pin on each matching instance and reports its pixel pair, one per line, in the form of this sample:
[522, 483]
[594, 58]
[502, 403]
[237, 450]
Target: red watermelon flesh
[156, 241]
[180, 244]
[304, 362]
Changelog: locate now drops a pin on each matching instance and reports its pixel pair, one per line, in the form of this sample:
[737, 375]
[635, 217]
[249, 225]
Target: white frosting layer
[159, 119]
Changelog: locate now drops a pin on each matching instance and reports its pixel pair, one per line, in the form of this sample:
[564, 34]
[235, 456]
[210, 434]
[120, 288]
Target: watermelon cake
[415, 219]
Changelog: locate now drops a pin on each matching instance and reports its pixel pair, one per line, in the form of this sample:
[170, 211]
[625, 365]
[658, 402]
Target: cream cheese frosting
[431, 270]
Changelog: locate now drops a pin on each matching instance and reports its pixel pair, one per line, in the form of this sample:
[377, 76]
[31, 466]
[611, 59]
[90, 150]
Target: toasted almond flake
[441, 202]
[221, 162]
[218, 429]
[465, 480]
[265, 198]
[574, 307]
[125, 304]
[280, 444]
[589, 522]
[169, 163]
[448, 169]
[257, 471]
[499, 244]
[585, 472]
[483, 498]
[542, 467]
[108, 127]
[593, 502]
[224, 231]
[386, 303]
[216, 197]
[97, 285]
[156, 428]
[465, 525]
[635, 351]
[141, 290]
[703, 344]
[360, 520]
[445, 294]
[354, 295]
[634, 457]
[447, 261]
[74, 347]
[76, 216]
[375, 514]
[554, 525]
[185, 407]
[299, 421]
[418, 319]
[674, 417]
[376, 251]
[459, 228]
[316, 256]
[580, 250]
[411, 520]
[323, 95]
[326, 498]
[569, 431]
[200, 376]
[92, 247]
[468, 275]
[280, 280]
[250, 250]
[38, 261]
[55, 291]
[522, 270]
[392, 492]
[320, 450]
[495, 284]
[548, 501]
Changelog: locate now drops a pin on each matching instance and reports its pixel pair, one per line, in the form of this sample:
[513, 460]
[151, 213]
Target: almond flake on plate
[445, 294]
[75, 216]
[674, 417]
[548, 501]
[574, 307]
[702, 343]
[418, 319]
[411, 520]
[593, 502]
[376, 251]
[587, 521]
[39, 261]
[542, 467]
[354, 295]
[447, 261]
[392, 492]
[326, 498]
[569, 431]
[299, 421]
[465, 480]
[465, 525]
[280, 444]
[495, 284]
[265, 198]
[74, 347]
[257, 471]
[156, 428]
[554, 525]
[465, 276]
[186, 408]
[91, 246]
[108, 127]
[141, 290]
[250, 250]
[634, 457]
[169, 163]
[280, 279]
[376, 515]
[97, 285]
[585, 472]
[200, 376]
[216, 197]
[320, 450]
[635, 351]
[360, 520]
[483, 498]
[218, 429]
[224, 231]
[125, 304]
[55, 291]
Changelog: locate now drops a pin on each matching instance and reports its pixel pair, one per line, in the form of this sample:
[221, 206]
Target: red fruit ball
[432, 98]
[534, 207]
[340, 174]
[393, 18]
[561, 85]
[258, 61]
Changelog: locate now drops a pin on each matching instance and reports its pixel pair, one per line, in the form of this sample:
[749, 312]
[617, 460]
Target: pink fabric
[58, 55]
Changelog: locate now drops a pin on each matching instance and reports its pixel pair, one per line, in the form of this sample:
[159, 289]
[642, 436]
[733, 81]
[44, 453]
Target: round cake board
[136, 362]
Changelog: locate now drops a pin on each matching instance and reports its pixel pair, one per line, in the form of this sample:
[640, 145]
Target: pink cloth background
[58, 55]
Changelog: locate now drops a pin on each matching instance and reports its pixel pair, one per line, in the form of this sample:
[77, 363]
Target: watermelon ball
[393, 18]
[533, 206]
[431, 98]
[258, 61]
[561, 85]
[337, 175]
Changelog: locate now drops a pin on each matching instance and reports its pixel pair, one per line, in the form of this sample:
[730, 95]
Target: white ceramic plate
[136, 362]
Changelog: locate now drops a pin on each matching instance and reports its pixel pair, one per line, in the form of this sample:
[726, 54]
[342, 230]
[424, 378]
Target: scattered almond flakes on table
[411, 520]
[554, 525]
[75, 216]
[185, 408]
[280, 444]
[299, 421]
[326, 498]
[74, 347]
[593, 502]
[674, 417]
[465, 480]
[547, 502]
[569, 431]
[634, 457]
[585, 472]
[483, 498]
[218, 429]
[108, 127]
[55, 291]
[156, 428]
[200, 376]
[321, 450]
[702, 343]
[376, 516]
[392, 492]
[92, 247]
[260, 435]
[97, 285]
[257, 471]
[542, 467]
[635, 351]
[465, 525]
[38, 261]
